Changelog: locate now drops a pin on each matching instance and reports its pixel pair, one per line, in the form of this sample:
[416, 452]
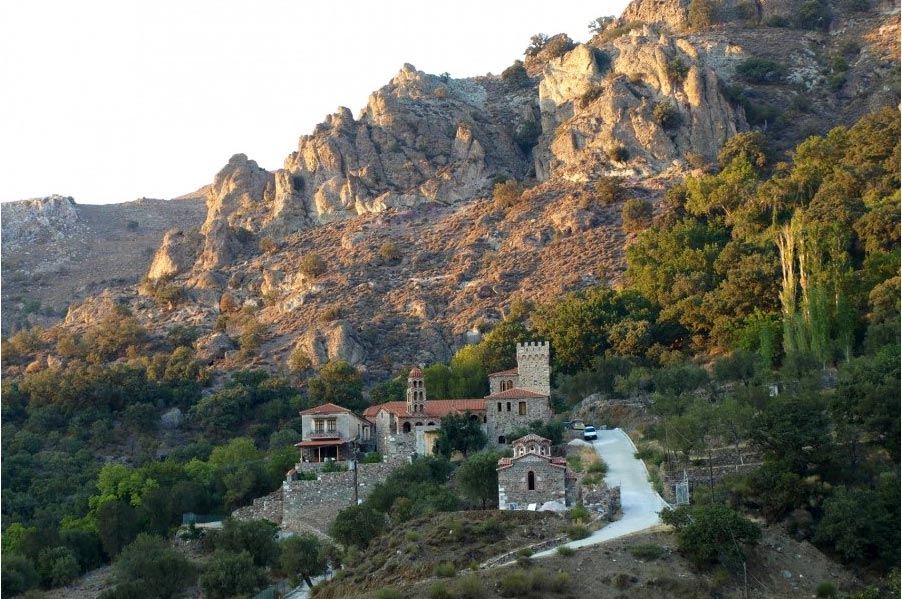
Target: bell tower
[416, 392]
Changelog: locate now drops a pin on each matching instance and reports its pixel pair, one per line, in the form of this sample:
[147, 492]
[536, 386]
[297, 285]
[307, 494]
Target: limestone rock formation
[657, 101]
[332, 342]
[38, 220]
[175, 255]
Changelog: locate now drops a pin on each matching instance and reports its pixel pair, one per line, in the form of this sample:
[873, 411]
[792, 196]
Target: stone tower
[533, 367]
[416, 392]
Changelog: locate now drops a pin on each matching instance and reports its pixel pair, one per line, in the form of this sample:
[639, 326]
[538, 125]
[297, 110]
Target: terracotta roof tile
[515, 393]
[435, 408]
[506, 372]
[530, 437]
[326, 408]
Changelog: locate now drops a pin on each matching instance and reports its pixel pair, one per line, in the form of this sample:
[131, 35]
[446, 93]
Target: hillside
[398, 200]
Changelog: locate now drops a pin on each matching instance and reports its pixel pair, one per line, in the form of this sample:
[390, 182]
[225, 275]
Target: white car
[589, 433]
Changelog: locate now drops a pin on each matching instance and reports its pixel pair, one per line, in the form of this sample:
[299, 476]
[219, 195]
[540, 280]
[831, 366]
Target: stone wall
[513, 487]
[533, 368]
[315, 503]
[268, 507]
[506, 421]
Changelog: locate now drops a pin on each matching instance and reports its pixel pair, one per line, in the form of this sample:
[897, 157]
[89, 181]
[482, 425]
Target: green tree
[57, 566]
[460, 432]
[230, 574]
[857, 527]
[338, 383]
[708, 534]
[303, 556]
[478, 477]
[150, 562]
[117, 525]
[636, 215]
[256, 537]
[357, 526]
[18, 574]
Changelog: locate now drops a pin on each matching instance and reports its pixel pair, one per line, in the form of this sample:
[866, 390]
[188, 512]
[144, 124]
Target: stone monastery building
[517, 397]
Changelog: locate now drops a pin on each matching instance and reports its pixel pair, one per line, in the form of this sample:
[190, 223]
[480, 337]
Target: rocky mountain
[416, 256]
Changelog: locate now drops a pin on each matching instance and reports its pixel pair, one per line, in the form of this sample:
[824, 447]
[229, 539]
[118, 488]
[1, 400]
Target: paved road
[640, 503]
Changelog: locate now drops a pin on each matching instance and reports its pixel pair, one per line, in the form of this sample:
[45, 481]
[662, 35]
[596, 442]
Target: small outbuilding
[532, 477]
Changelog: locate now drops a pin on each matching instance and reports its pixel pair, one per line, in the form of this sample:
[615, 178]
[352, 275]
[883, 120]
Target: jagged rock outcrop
[336, 341]
[652, 95]
[176, 254]
[39, 220]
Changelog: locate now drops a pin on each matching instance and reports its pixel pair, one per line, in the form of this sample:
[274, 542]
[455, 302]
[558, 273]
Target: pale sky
[109, 101]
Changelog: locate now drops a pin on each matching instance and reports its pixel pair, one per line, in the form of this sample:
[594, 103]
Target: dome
[415, 373]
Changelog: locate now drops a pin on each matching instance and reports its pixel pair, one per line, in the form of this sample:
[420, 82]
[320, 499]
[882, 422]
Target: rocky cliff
[397, 201]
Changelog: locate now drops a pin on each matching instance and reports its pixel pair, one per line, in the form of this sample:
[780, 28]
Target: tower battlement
[533, 366]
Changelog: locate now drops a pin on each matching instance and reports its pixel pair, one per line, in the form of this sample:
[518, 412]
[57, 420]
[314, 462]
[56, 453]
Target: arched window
[406, 427]
[502, 440]
[531, 480]
[430, 424]
[419, 424]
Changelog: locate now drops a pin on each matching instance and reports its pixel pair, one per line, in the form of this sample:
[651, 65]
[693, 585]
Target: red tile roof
[435, 408]
[326, 408]
[506, 372]
[415, 372]
[531, 437]
[505, 463]
[514, 393]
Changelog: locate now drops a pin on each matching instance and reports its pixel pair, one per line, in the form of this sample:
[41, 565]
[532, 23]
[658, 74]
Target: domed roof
[415, 373]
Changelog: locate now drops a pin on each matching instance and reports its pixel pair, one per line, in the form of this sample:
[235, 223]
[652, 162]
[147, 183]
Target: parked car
[589, 433]
[577, 425]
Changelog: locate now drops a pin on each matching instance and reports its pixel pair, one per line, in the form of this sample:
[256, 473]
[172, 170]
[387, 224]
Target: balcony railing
[325, 435]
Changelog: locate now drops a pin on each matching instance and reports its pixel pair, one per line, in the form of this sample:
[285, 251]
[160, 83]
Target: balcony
[325, 435]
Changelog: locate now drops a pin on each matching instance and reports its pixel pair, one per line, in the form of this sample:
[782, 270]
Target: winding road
[639, 501]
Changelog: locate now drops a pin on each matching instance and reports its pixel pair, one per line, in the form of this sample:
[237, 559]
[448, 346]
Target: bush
[636, 215]
[760, 70]
[579, 513]
[703, 14]
[507, 193]
[610, 189]
[557, 46]
[469, 587]
[373, 458]
[313, 265]
[578, 531]
[516, 74]
[813, 14]
[667, 115]
[390, 251]
[565, 551]
[826, 589]
[646, 551]
[388, 593]
[516, 584]
[331, 313]
[132, 225]
[618, 153]
[439, 591]
[444, 570]
[268, 245]
[299, 360]
[676, 70]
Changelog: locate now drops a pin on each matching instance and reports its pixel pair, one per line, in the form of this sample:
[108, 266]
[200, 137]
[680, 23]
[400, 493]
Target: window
[508, 406]
[522, 408]
[502, 440]
[319, 425]
[406, 427]
[531, 480]
[331, 426]
[499, 406]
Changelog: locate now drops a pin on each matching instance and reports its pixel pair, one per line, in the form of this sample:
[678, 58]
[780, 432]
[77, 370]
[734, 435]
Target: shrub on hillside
[390, 251]
[667, 115]
[516, 74]
[636, 215]
[760, 70]
[313, 265]
[618, 153]
[507, 193]
[610, 189]
[676, 70]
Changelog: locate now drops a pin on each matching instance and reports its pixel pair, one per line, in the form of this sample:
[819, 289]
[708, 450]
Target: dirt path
[640, 503]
